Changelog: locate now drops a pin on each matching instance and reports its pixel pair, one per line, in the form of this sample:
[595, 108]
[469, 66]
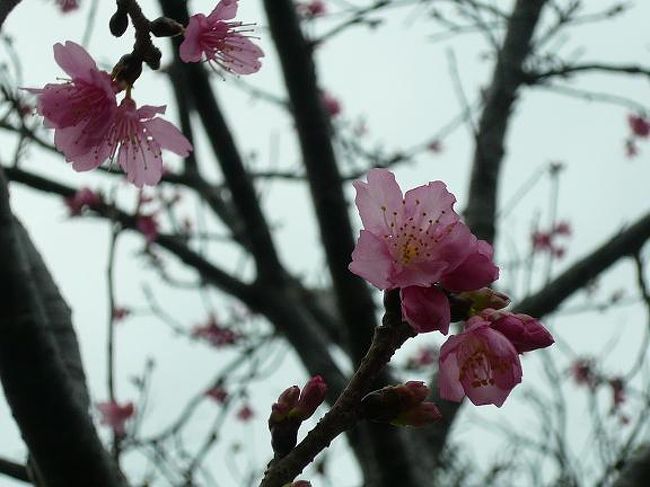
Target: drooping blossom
[523, 331]
[116, 415]
[245, 413]
[84, 198]
[67, 5]
[617, 385]
[417, 242]
[480, 363]
[214, 334]
[313, 8]
[136, 139]
[331, 103]
[222, 41]
[80, 110]
[120, 313]
[424, 357]
[147, 225]
[217, 393]
[639, 125]
[584, 372]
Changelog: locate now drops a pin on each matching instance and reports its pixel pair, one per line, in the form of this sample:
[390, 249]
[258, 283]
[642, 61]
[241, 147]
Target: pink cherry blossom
[410, 240]
[584, 372]
[435, 146]
[214, 334]
[423, 357]
[332, 105]
[426, 309]
[120, 313]
[639, 125]
[136, 139]
[617, 385]
[523, 331]
[480, 363]
[245, 413]
[147, 225]
[116, 415]
[311, 396]
[314, 8]
[67, 5]
[84, 198]
[81, 110]
[221, 41]
[217, 394]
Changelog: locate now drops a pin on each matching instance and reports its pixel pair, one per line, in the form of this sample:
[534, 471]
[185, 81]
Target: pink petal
[150, 111]
[524, 332]
[168, 136]
[141, 167]
[225, 10]
[379, 202]
[425, 309]
[371, 260]
[190, 50]
[476, 271]
[430, 202]
[241, 55]
[449, 384]
[74, 60]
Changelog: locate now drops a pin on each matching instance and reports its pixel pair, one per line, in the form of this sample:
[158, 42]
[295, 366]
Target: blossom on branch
[220, 40]
[67, 6]
[417, 242]
[84, 198]
[116, 415]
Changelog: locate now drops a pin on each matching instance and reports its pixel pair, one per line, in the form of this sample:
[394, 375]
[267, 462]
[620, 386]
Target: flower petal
[225, 10]
[371, 260]
[379, 202]
[168, 136]
[425, 309]
[74, 60]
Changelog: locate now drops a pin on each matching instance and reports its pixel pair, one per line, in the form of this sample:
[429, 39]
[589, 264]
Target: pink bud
[312, 396]
[424, 413]
[286, 402]
[639, 125]
[524, 332]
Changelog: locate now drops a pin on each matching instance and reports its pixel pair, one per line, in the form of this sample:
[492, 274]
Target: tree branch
[493, 125]
[6, 6]
[58, 432]
[532, 77]
[14, 470]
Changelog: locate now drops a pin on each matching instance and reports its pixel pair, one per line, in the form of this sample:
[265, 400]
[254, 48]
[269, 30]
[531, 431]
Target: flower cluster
[417, 243]
[547, 241]
[214, 334]
[91, 127]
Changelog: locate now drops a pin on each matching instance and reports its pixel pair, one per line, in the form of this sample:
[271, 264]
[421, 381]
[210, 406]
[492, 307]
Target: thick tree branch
[57, 430]
[493, 125]
[636, 471]
[14, 470]
[6, 6]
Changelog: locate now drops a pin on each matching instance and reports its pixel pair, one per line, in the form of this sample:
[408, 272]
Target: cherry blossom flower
[245, 413]
[214, 334]
[311, 396]
[314, 8]
[639, 125]
[424, 357]
[584, 372]
[221, 41]
[617, 385]
[147, 225]
[435, 146]
[67, 5]
[547, 241]
[120, 313]
[523, 331]
[217, 394]
[332, 105]
[136, 139]
[115, 415]
[480, 363]
[81, 110]
[84, 198]
[417, 242]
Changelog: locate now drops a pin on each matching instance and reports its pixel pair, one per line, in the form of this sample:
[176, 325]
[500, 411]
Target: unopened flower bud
[165, 27]
[524, 332]
[424, 413]
[485, 298]
[286, 402]
[312, 396]
[127, 70]
[119, 23]
[400, 405]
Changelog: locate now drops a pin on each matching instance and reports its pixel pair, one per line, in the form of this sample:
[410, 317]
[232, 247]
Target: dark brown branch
[6, 6]
[58, 432]
[636, 471]
[345, 412]
[626, 243]
[533, 77]
[14, 470]
[223, 144]
[493, 125]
